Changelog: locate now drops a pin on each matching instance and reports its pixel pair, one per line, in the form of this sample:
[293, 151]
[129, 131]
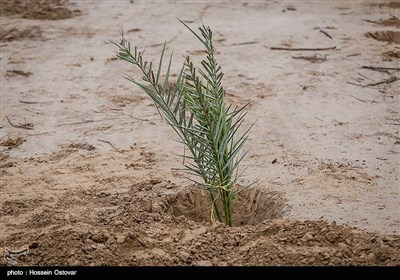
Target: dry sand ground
[87, 165]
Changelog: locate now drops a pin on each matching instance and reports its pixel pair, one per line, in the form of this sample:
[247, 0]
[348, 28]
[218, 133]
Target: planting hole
[251, 207]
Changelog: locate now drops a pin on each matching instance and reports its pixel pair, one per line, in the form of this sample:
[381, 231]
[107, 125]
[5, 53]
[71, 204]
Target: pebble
[122, 237]
[73, 262]
[371, 257]
[127, 198]
[147, 205]
[33, 245]
[171, 198]
[118, 223]
[100, 237]
[155, 181]
[307, 237]
[331, 237]
[156, 208]
[183, 256]
[114, 202]
[342, 245]
[100, 246]
[388, 239]
[203, 263]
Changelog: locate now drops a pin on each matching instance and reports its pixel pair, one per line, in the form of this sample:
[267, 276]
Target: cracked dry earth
[88, 171]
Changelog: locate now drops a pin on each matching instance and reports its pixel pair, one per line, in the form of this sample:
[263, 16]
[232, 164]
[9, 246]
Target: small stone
[147, 205]
[73, 262]
[87, 249]
[155, 181]
[382, 255]
[121, 238]
[118, 223]
[371, 258]
[183, 256]
[171, 198]
[388, 239]
[33, 245]
[103, 194]
[307, 237]
[203, 263]
[156, 208]
[100, 237]
[114, 202]
[342, 245]
[100, 246]
[331, 237]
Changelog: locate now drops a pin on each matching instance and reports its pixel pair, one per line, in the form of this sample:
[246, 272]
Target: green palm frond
[195, 108]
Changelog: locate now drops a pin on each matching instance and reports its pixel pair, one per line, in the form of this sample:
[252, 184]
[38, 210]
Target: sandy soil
[88, 171]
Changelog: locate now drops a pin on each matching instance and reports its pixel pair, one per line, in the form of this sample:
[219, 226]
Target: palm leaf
[194, 107]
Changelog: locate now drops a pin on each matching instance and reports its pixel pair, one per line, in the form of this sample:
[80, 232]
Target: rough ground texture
[88, 168]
